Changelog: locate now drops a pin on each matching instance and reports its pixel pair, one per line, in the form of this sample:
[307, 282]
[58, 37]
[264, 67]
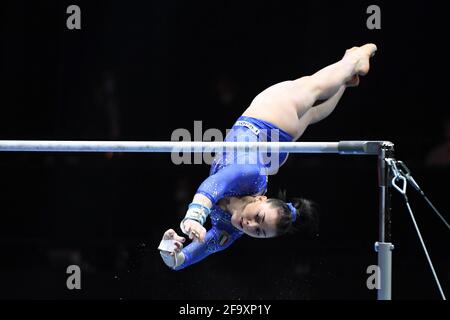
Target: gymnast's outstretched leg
[290, 104]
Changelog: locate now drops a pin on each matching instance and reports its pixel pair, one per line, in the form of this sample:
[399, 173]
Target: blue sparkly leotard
[235, 174]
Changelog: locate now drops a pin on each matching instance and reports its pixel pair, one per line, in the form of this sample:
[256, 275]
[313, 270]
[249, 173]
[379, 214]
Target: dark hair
[307, 220]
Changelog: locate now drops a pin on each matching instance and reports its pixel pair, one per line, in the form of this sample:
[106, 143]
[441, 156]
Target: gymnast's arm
[216, 186]
[232, 180]
[195, 251]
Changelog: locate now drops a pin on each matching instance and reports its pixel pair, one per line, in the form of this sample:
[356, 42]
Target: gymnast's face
[258, 219]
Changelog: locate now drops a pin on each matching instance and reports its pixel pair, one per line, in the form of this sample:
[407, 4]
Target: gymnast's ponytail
[296, 214]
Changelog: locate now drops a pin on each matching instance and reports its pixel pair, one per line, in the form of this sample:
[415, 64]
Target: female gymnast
[233, 195]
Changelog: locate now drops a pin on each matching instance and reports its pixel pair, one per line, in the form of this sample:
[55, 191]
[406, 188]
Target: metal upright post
[384, 247]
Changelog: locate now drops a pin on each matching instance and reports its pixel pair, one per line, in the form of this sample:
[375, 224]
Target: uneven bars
[341, 147]
[383, 149]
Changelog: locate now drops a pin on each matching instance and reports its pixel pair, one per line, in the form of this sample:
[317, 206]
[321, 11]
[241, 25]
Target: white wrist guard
[195, 212]
[172, 261]
[166, 247]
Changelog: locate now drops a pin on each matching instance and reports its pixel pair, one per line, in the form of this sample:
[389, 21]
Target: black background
[138, 70]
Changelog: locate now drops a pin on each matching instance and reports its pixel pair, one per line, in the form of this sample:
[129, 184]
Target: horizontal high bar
[342, 147]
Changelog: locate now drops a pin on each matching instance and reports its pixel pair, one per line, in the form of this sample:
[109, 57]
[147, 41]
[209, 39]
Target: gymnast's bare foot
[360, 56]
